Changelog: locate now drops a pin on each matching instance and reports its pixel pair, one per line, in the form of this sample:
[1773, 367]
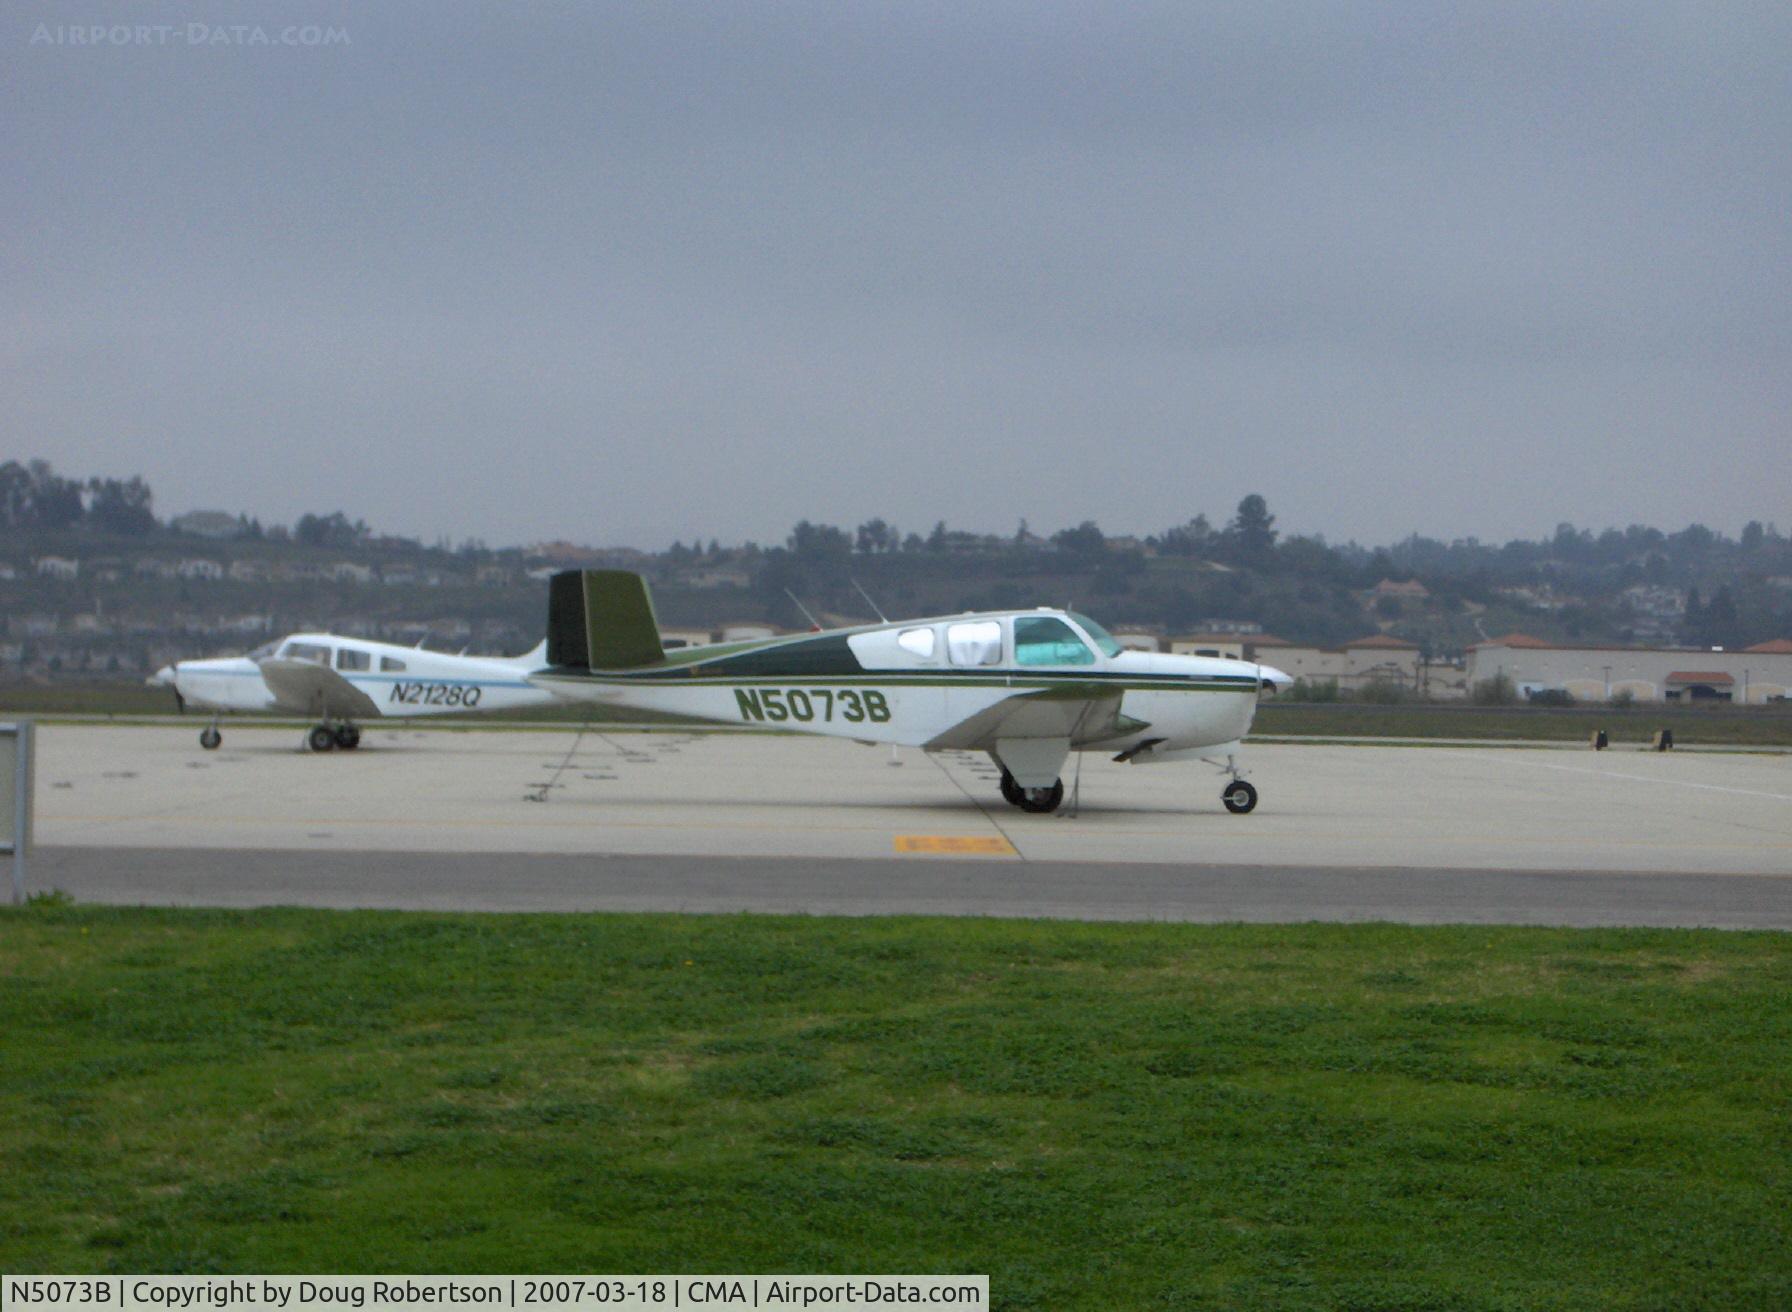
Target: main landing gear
[1039, 801]
[325, 737]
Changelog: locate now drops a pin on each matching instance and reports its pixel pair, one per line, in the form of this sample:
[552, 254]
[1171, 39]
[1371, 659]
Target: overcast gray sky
[630, 273]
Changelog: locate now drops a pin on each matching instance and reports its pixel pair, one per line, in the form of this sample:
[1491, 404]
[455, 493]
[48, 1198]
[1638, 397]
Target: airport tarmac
[737, 822]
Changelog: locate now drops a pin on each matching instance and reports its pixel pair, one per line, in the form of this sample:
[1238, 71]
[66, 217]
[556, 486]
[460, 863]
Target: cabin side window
[976, 642]
[306, 651]
[391, 664]
[917, 642]
[1048, 640]
[347, 658]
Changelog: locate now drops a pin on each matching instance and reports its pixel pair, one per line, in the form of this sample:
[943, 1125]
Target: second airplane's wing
[307, 688]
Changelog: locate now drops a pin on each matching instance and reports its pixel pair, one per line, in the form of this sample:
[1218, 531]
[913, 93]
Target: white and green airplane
[338, 680]
[1027, 687]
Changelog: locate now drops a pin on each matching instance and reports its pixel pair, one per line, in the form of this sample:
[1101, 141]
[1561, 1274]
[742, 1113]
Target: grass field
[1096, 1116]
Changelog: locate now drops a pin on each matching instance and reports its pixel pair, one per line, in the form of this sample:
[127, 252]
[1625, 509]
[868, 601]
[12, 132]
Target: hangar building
[1754, 676]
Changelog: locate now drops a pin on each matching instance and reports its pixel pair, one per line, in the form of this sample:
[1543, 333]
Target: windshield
[1098, 635]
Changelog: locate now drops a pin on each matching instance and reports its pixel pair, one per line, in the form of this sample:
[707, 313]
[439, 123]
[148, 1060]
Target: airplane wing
[307, 688]
[1073, 715]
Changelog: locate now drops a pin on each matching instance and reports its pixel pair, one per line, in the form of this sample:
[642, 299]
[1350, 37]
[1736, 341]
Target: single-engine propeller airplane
[340, 680]
[1027, 687]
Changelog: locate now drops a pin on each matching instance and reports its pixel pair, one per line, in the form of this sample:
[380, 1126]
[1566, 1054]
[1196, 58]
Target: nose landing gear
[209, 737]
[1239, 797]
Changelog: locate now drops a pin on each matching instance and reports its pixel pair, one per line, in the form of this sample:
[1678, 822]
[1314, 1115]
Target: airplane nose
[162, 678]
[1272, 681]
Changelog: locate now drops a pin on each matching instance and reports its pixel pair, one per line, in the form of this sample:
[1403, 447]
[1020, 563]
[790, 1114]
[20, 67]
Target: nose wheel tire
[209, 738]
[1239, 797]
[321, 739]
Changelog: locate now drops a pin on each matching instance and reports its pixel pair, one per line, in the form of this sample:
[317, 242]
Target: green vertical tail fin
[601, 619]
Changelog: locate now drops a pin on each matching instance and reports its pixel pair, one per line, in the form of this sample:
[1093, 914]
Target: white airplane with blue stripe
[338, 680]
[1027, 687]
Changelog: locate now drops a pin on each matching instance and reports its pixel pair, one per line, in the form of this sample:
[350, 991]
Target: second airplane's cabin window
[1047, 640]
[978, 642]
[917, 642]
[347, 658]
[391, 664]
[306, 651]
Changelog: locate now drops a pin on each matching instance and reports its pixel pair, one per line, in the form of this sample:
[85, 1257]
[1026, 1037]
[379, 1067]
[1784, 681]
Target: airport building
[1377, 658]
[1753, 676]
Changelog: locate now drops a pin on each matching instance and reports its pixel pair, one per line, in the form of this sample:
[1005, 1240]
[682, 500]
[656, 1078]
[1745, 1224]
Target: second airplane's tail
[601, 619]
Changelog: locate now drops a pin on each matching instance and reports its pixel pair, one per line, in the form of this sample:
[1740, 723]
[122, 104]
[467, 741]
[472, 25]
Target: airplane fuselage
[397, 681]
[952, 682]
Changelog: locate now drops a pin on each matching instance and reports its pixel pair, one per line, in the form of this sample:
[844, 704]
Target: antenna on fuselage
[867, 596]
[813, 622]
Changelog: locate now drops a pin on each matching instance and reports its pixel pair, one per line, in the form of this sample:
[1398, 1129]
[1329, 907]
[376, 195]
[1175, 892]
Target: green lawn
[1096, 1116]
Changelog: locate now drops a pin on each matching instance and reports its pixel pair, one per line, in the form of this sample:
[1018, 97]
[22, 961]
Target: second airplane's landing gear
[209, 737]
[327, 738]
[1040, 801]
[1239, 797]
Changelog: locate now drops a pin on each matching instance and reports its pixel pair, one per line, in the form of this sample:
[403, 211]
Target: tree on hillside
[1195, 538]
[120, 506]
[876, 537]
[1086, 539]
[813, 543]
[336, 532]
[1251, 535]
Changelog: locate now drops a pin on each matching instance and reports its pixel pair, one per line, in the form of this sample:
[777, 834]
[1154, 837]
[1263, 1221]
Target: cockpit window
[1100, 636]
[306, 651]
[916, 642]
[1048, 640]
[265, 650]
[347, 658]
[976, 642]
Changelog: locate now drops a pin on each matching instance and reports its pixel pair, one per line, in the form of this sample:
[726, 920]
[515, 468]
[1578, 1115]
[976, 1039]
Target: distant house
[201, 569]
[213, 524]
[57, 567]
[1137, 640]
[1411, 590]
[346, 571]
[247, 571]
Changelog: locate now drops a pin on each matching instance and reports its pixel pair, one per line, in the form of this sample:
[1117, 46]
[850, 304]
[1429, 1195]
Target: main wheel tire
[209, 738]
[1239, 797]
[1042, 801]
[1011, 791]
[321, 739]
[348, 737]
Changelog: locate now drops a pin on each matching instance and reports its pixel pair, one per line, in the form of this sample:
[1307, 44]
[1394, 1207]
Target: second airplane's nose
[162, 678]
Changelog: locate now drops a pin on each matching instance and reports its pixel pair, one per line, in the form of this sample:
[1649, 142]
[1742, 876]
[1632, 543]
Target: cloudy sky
[637, 272]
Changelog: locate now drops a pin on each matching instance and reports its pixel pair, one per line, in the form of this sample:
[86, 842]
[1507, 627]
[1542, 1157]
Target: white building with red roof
[1753, 676]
